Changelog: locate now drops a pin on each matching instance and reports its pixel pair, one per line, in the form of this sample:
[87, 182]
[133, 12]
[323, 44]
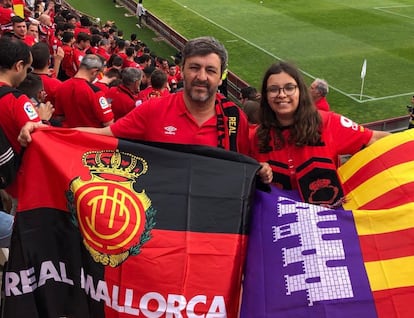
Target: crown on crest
[115, 162]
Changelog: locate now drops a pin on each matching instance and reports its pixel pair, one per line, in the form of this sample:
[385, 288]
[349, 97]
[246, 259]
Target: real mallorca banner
[309, 261]
[111, 228]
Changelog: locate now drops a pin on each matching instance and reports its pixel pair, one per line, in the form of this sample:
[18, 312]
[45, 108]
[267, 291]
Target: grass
[326, 39]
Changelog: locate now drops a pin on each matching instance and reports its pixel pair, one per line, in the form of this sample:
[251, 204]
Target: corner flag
[364, 69]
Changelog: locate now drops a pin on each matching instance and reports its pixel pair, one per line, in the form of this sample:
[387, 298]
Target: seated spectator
[124, 97]
[318, 90]
[158, 87]
[146, 77]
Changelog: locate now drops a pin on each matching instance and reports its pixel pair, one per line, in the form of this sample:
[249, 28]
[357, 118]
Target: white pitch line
[350, 96]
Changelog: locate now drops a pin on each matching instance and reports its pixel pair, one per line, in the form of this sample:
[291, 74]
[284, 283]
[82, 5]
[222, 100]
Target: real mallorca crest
[114, 219]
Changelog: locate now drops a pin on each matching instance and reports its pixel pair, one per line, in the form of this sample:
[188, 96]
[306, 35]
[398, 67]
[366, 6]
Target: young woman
[301, 144]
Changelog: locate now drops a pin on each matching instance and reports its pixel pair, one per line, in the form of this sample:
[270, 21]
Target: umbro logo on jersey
[170, 130]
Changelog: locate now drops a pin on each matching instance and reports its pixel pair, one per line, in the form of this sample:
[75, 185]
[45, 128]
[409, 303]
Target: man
[140, 12]
[20, 31]
[79, 102]
[124, 97]
[16, 108]
[318, 90]
[196, 115]
[33, 30]
[41, 58]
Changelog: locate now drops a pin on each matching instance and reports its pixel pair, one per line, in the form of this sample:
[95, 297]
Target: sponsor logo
[170, 130]
[30, 110]
[103, 102]
[114, 220]
[347, 123]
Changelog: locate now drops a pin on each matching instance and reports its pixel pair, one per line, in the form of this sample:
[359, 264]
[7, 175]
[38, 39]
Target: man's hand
[25, 137]
[265, 173]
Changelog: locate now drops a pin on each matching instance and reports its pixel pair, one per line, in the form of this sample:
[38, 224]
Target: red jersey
[103, 87]
[67, 64]
[5, 18]
[30, 40]
[122, 100]
[322, 104]
[310, 168]
[151, 92]
[78, 55]
[168, 120]
[16, 110]
[82, 104]
[103, 53]
[50, 86]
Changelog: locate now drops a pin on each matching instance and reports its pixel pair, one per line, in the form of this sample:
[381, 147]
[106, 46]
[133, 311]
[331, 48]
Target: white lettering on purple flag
[317, 251]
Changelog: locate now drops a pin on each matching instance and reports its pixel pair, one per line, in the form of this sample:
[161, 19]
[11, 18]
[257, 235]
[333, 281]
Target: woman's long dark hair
[306, 127]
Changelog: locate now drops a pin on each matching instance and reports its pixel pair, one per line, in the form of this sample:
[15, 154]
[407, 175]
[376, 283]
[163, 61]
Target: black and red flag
[111, 228]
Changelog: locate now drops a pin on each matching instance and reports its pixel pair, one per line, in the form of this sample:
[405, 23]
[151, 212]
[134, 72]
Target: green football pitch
[325, 39]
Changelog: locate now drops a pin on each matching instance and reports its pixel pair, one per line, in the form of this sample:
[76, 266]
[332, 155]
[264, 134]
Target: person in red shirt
[19, 31]
[196, 115]
[103, 49]
[83, 42]
[40, 64]
[300, 143]
[158, 87]
[124, 97]
[130, 62]
[109, 79]
[16, 108]
[67, 69]
[6, 14]
[79, 102]
[318, 90]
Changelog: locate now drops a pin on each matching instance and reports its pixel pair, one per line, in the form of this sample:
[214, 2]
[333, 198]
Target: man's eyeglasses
[288, 89]
[29, 69]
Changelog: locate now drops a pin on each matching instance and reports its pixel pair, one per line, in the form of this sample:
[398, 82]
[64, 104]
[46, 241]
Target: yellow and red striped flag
[18, 7]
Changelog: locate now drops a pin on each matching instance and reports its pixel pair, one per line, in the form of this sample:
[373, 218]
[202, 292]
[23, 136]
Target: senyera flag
[309, 261]
[111, 228]
[18, 7]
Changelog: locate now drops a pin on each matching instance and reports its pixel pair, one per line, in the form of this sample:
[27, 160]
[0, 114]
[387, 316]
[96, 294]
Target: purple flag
[303, 261]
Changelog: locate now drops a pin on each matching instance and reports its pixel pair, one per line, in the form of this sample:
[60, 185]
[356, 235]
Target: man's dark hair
[31, 85]
[67, 36]
[82, 36]
[11, 51]
[84, 21]
[129, 51]
[203, 46]
[158, 79]
[41, 55]
[249, 92]
[17, 19]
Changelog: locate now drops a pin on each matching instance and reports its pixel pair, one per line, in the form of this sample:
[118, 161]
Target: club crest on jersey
[114, 219]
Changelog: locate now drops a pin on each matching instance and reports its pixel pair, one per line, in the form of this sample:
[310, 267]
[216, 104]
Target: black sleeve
[9, 162]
